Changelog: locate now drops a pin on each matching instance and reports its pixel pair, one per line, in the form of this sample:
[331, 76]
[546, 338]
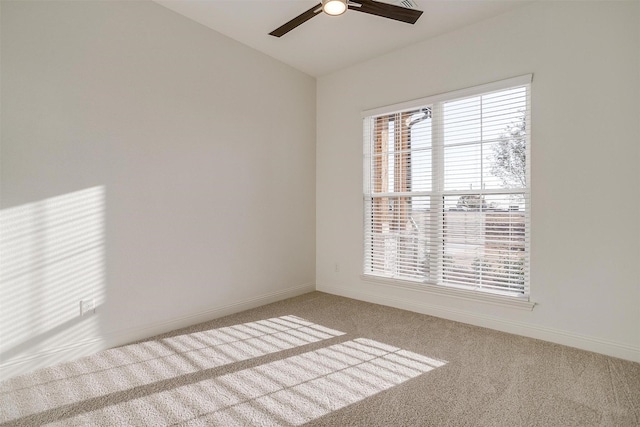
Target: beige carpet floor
[323, 360]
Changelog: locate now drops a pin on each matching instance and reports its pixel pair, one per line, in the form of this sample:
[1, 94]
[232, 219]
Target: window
[446, 189]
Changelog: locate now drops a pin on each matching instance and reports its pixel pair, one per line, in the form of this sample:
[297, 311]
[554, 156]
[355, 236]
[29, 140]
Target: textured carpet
[319, 359]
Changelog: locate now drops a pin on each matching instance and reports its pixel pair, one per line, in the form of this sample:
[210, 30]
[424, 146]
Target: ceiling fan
[338, 7]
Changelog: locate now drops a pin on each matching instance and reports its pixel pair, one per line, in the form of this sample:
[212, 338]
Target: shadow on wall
[52, 273]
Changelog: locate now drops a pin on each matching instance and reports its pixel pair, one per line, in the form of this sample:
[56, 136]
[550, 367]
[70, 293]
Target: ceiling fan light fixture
[338, 7]
[334, 7]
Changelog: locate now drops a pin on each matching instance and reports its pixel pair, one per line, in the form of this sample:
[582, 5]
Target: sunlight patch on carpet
[153, 364]
[290, 391]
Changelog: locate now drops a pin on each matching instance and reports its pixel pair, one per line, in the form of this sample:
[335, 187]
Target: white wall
[151, 164]
[585, 259]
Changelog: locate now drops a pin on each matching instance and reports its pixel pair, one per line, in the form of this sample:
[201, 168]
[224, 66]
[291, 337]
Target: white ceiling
[325, 44]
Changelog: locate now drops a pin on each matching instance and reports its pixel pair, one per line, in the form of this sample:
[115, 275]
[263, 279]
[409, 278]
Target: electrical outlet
[336, 267]
[87, 306]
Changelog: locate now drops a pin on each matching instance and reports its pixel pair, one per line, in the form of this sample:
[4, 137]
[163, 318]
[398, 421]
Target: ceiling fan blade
[387, 10]
[298, 20]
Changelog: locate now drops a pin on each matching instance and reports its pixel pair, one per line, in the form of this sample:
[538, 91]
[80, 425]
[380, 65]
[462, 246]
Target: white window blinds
[446, 189]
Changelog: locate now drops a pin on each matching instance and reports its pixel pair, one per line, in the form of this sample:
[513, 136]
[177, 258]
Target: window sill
[520, 303]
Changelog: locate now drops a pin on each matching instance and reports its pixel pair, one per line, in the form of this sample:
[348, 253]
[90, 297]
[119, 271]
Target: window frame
[436, 102]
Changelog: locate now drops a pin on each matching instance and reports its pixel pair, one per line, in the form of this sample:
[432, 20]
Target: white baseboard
[557, 336]
[52, 356]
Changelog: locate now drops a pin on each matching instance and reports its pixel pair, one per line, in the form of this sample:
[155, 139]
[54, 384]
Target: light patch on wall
[51, 258]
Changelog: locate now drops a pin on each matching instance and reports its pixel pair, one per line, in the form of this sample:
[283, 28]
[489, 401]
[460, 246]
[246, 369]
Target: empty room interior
[414, 212]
